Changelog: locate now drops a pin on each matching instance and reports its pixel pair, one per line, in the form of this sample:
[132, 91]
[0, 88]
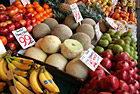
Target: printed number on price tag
[91, 59]
[98, 32]
[77, 15]
[23, 37]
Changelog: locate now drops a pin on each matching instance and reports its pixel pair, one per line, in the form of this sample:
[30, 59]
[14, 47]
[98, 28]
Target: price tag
[111, 23]
[24, 2]
[2, 48]
[23, 37]
[114, 2]
[11, 1]
[75, 10]
[91, 59]
[98, 32]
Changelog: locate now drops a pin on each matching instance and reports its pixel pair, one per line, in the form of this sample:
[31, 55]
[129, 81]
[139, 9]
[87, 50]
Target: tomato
[3, 39]
[45, 6]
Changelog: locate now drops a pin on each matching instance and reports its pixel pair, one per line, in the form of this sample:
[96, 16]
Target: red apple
[17, 25]
[2, 17]
[123, 85]
[94, 83]
[137, 92]
[28, 21]
[29, 28]
[105, 54]
[8, 21]
[136, 69]
[132, 72]
[137, 85]
[11, 46]
[106, 63]
[131, 80]
[3, 24]
[2, 12]
[136, 77]
[132, 63]
[10, 37]
[22, 22]
[121, 92]
[122, 65]
[91, 91]
[28, 15]
[4, 31]
[17, 17]
[99, 72]
[11, 12]
[11, 27]
[132, 89]
[34, 24]
[33, 20]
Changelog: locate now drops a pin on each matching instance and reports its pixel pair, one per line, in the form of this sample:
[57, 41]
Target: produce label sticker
[24, 2]
[23, 37]
[77, 15]
[11, 1]
[2, 48]
[91, 59]
[98, 32]
[111, 23]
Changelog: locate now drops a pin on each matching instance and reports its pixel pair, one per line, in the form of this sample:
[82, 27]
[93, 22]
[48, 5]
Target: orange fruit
[41, 20]
[34, 12]
[20, 10]
[20, 6]
[50, 9]
[3, 39]
[45, 6]
[37, 16]
[35, 3]
[17, 2]
[38, 22]
[117, 10]
[44, 12]
[51, 14]
[41, 14]
[47, 11]
[48, 16]
[39, 9]
[44, 17]
[28, 6]
[30, 10]
[35, 6]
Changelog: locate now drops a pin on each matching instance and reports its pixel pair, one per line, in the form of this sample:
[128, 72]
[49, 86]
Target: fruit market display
[29, 77]
[61, 42]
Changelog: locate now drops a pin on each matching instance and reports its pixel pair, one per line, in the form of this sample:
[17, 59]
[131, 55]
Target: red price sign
[98, 32]
[26, 39]
[23, 37]
[77, 15]
[91, 59]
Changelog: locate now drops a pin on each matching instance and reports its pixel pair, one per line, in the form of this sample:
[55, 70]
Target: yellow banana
[33, 79]
[16, 70]
[3, 75]
[47, 83]
[47, 75]
[5, 68]
[18, 92]
[21, 65]
[23, 60]
[22, 80]
[22, 88]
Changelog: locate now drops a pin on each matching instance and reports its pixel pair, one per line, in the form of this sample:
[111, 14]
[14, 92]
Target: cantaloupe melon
[41, 30]
[50, 44]
[38, 43]
[83, 38]
[77, 68]
[87, 29]
[70, 22]
[57, 60]
[51, 22]
[89, 21]
[62, 31]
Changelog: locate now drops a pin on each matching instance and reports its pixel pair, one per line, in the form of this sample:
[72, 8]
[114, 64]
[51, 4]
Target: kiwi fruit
[87, 29]
[89, 21]
[70, 22]
[51, 22]
[41, 30]
[83, 38]
[62, 31]
[71, 48]
[50, 44]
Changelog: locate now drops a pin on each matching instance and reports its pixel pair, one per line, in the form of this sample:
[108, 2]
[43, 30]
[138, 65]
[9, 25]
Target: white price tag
[11, 1]
[111, 23]
[24, 2]
[75, 10]
[2, 48]
[23, 37]
[98, 32]
[91, 59]
[114, 2]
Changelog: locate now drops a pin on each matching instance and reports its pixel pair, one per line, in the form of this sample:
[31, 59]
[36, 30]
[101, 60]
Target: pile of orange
[124, 15]
[39, 12]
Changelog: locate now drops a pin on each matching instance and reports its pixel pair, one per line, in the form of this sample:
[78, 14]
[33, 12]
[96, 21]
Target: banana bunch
[45, 80]
[19, 65]
[2, 86]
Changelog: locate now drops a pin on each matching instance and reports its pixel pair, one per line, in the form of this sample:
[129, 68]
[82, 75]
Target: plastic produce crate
[67, 83]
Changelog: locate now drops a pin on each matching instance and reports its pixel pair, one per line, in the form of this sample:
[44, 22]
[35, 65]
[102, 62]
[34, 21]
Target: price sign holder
[77, 15]
[24, 2]
[98, 32]
[2, 48]
[23, 37]
[91, 59]
[111, 23]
